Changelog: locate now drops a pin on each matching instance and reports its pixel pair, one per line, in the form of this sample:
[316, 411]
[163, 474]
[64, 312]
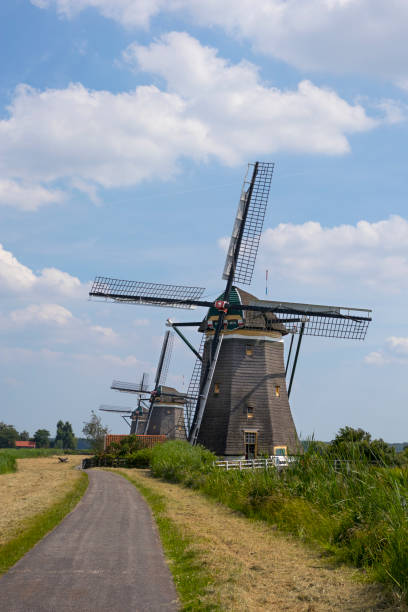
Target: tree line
[64, 437]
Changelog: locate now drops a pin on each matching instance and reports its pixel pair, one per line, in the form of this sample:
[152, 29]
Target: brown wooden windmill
[242, 401]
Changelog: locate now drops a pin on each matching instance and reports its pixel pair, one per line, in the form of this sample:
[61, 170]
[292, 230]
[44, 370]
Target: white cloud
[130, 361]
[130, 13]
[211, 108]
[105, 333]
[17, 277]
[43, 313]
[14, 276]
[27, 197]
[394, 351]
[371, 254]
[376, 358]
[355, 36]
[398, 345]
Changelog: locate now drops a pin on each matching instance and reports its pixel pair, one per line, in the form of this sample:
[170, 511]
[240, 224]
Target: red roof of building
[25, 444]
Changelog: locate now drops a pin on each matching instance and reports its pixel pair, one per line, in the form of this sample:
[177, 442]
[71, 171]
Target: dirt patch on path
[256, 568]
[38, 483]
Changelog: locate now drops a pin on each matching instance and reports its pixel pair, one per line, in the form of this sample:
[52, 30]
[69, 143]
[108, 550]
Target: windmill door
[251, 443]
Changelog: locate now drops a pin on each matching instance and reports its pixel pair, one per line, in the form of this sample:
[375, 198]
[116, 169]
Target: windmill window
[251, 444]
[249, 350]
[216, 388]
[250, 412]
[277, 391]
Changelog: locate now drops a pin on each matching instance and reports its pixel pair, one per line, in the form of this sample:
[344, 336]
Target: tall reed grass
[358, 512]
[8, 463]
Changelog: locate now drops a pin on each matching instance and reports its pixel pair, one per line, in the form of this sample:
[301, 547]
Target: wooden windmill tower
[242, 401]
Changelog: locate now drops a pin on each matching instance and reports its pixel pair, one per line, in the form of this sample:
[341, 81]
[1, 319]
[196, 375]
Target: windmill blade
[193, 389]
[247, 230]
[128, 387]
[164, 360]
[144, 383]
[328, 321]
[148, 294]
[124, 410]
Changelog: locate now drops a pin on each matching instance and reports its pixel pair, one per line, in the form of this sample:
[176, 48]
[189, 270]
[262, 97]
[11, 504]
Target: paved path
[105, 555]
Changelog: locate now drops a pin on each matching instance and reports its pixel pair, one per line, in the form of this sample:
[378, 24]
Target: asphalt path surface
[105, 555]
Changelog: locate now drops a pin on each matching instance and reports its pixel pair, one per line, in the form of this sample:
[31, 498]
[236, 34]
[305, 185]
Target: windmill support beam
[302, 329]
[290, 351]
[184, 339]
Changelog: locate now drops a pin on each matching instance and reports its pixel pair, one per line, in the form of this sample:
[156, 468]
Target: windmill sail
[318, 320]
[247, 230]
[148, 294]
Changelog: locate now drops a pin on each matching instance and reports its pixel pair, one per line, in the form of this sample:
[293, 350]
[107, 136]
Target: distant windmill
[242, 405]
[134, 417]
[164, 406]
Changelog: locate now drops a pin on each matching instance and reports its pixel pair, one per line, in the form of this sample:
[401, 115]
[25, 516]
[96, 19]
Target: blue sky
[125, 131]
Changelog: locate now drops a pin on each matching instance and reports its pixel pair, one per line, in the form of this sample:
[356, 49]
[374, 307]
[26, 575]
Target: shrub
[8, 463]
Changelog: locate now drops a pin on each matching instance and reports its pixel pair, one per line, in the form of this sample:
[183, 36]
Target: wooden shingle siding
[248, 380]
[165, 419]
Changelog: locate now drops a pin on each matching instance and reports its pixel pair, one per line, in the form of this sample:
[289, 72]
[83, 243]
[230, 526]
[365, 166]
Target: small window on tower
[216, 388]
[277, 391]
[250, 412]
[249, 350]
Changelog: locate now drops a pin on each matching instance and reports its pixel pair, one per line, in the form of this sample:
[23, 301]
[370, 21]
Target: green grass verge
[190, 577]
[357, 513]
[8, 464]
[38, 526]
[29, 453]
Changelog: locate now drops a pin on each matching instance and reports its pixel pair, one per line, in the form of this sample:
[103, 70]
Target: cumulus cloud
[395, 350]
[209, 108]
[18, 278]
[342, 36]
[27, 197]
[130, 13]
[372, 254]
[43, 313]
[104, 333]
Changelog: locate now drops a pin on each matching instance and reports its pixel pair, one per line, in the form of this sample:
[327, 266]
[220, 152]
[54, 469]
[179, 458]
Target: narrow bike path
[105, 555]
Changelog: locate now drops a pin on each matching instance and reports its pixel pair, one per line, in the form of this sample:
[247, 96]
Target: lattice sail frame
[327, 321]
[251, 236]
[117, 409]
[129, 387]
[149, 294]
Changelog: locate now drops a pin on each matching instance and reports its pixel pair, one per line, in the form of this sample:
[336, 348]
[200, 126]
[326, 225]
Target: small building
[25, 444]
[145, 441]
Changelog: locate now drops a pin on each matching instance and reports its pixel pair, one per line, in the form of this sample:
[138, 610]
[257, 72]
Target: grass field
[359, 514]
[222, 561]
[31, 453]
[33, 500]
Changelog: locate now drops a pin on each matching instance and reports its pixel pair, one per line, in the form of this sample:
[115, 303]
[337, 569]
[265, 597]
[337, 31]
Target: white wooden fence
[254, 464]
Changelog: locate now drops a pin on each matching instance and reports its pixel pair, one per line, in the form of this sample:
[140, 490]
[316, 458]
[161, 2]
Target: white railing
[253, 464]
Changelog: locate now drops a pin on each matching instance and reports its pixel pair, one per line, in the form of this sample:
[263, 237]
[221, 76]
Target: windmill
[134, 417]
[242, 405]
[161, 407]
